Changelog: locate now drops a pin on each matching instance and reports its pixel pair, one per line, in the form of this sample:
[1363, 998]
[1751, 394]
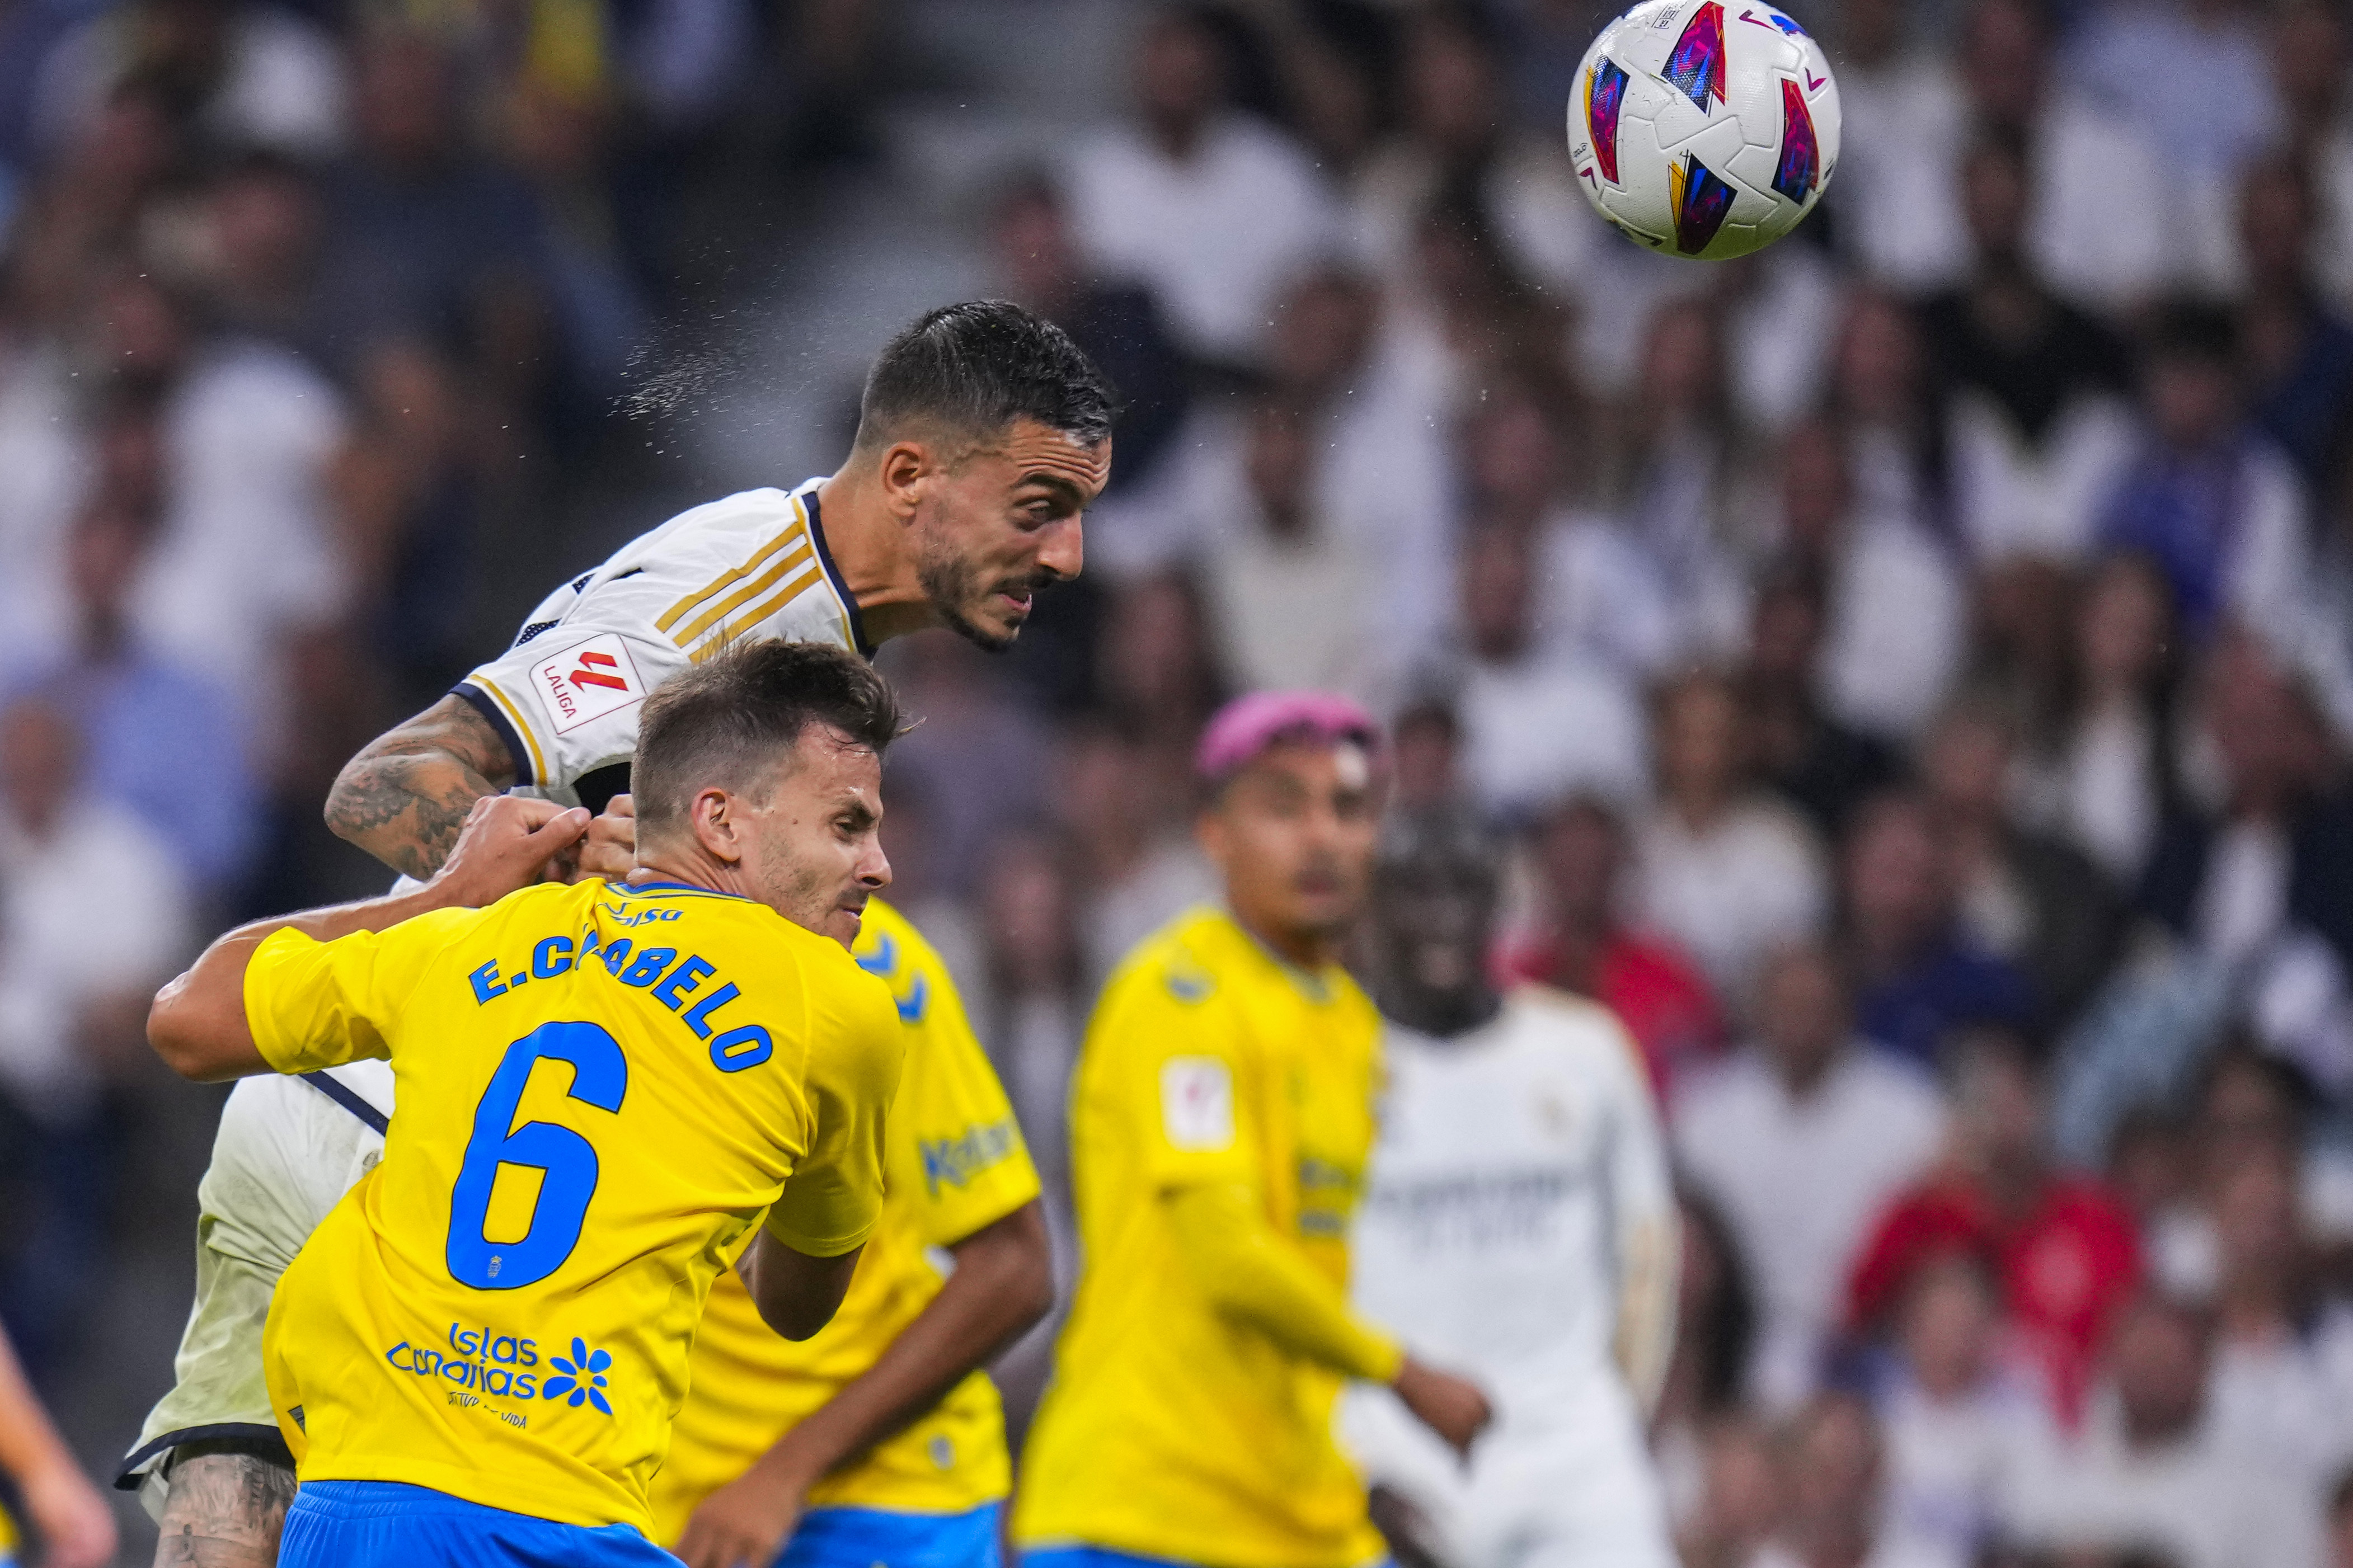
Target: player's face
[1292, 835]
[1432, 922]
[814, 845]
[1002, 523]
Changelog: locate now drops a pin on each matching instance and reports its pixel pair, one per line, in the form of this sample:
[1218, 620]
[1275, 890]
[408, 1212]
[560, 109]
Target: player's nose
[1062, 548]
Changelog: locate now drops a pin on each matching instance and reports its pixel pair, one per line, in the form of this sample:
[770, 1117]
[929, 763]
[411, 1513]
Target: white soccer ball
[1704, 128]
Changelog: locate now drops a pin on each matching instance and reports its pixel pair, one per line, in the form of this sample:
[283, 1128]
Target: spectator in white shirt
[1535, 726]
[1214, 211]
[2099, 225]
[1720, 866]
[1800, 1139]
[2154, 1472]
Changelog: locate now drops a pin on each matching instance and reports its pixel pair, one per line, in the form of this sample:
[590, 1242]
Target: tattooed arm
[406, 795]
[226, 1508]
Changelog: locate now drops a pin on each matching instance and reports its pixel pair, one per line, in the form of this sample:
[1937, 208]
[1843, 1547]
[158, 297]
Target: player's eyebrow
[1068, 492]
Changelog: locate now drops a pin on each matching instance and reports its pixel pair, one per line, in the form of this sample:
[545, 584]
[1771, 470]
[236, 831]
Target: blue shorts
[1092, 1557]
[386, 1525]
[880, 1538]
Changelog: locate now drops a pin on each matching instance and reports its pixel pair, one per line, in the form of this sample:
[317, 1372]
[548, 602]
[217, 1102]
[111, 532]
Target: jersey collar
[833, 576]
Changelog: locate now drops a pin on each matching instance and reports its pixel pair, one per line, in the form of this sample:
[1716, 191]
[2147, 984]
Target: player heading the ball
[477, 1357]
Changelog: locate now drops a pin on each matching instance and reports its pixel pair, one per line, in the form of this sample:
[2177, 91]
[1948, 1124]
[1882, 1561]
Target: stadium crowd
[1914, 663]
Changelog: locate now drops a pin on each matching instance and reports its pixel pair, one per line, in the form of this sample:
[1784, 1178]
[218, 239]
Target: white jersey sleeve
[565, 697]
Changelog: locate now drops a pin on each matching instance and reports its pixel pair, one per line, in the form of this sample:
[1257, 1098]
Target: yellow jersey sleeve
[313, 1004]
[835, 1193]
[1180, 1071]
[957, 1161]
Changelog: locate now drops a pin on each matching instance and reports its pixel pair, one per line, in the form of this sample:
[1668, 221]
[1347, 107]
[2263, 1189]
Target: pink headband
[1241, 731]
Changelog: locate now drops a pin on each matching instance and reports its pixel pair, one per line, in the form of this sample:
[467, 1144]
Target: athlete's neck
[870, 549]
[1306, 949]
[1441, 1015]
[695, 866]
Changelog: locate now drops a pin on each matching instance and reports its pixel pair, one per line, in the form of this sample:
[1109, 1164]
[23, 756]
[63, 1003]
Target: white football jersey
[565, 697]
[1518, 1222]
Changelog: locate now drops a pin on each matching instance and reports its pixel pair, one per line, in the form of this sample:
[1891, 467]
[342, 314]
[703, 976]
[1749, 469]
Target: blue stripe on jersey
[833, 576]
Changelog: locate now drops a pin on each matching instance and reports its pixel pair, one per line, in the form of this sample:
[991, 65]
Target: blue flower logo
[583, 1375]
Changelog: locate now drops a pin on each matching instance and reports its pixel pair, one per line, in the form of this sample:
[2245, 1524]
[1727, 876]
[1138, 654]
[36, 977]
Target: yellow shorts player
[604, 1090]
[879, 1440]
[1220, 1120]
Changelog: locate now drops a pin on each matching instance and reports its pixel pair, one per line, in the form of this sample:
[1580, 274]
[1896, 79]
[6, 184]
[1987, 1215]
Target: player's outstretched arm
[1003, 1284]
[1251, 1274]
[404, 797]
[76, 1525]
[198, 1022]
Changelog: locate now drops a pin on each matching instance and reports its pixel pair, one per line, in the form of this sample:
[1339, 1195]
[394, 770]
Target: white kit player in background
[1519, 1222]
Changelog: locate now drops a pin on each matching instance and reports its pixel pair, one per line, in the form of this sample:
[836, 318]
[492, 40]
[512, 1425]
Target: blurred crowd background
[1914, 663]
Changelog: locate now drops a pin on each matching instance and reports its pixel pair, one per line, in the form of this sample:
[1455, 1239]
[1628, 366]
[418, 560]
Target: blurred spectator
[1707, 1375]
[1033, 1005]
[1921, 971]
[2213, 503]
[1288, 588]
[1214, 210]
[1600, 595]
[1592, 734]
[2273, 859]
[1799, 1139]
[2153, 1470]
[258, 257]
[975, 756]
[1896, 608]
[2194, 73]
[1880, 400]
[1131, 823]
[161, 740]
[2037, 428]
[93, 915]
[1160, 668]
[427, 238]
[2064, 1250]
[1721, 866]
[2109, 779]
[1834, 1464]
[1905, 120]
[2032, 900]
[1117, 323]
[1740, 1498]
[1810, 759]
[2298, 347]
[2282, 1378]
[245, 558]
[1677, 464]
[1960, 1428]
[1425, 758]
[243, 75]
[1585, 945]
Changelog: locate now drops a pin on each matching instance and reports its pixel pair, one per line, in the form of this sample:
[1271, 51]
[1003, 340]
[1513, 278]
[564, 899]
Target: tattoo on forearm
[405, 798]
[225, 1511]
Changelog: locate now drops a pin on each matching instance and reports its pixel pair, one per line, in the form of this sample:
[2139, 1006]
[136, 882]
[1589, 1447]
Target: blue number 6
[600, 1076]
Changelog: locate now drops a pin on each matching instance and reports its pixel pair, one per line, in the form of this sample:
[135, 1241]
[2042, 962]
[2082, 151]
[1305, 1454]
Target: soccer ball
[1704, 128]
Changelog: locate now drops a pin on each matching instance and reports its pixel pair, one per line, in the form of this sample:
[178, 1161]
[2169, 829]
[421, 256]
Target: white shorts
[1571, 1486]
[287, 1151]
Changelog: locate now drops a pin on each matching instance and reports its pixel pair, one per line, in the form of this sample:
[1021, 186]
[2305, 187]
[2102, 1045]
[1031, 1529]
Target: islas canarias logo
[580, 1377]
[482, 1362]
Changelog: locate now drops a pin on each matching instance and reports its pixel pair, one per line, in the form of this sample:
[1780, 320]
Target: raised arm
[198, 1022]
[404, 797]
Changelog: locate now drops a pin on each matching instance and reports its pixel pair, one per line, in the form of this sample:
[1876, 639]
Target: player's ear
[715, 827]
[904, 467]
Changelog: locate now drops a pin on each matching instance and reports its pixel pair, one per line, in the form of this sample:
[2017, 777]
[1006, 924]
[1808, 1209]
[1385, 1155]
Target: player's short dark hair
[719, 722]
[975, 368]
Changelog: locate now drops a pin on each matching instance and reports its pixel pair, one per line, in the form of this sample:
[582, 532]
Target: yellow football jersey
[602, 1090]
[1170, 1431]
[954, 1162]
[7, 1533]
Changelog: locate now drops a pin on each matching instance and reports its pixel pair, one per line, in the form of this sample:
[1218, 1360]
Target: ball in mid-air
[1704, 128]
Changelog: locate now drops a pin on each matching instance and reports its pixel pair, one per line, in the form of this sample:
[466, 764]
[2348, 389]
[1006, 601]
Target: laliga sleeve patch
[587, 681]
[1196, 1104]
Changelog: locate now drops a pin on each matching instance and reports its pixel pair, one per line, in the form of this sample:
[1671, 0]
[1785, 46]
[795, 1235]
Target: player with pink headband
[1220, 1118]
